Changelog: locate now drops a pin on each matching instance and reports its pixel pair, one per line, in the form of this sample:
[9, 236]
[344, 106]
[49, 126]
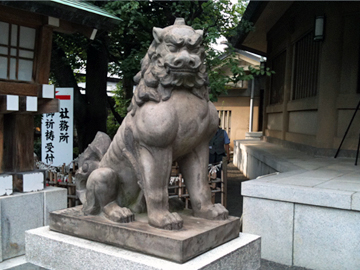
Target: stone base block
[25, 211]
[253, 136]
[6, 184]
[53, 250]
[33, 181]
[196, 237]
[21, 182]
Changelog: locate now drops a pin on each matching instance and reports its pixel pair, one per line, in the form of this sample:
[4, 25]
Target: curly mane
[155, 82]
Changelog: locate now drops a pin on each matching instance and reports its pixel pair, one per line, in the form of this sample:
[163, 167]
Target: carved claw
[116, 213]
[215, 211]
[168, 221]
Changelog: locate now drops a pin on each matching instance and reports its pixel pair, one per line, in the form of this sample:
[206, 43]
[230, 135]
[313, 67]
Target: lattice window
[17, 52]
[278, 79]
[306, 64]
[225, 118]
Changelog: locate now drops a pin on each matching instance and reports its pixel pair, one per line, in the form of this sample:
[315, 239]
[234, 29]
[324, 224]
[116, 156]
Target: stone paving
[313, 180]
[268, 265]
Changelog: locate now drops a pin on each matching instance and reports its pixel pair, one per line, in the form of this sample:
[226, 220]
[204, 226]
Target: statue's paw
[214, 211]
[116, 213]
[167, 221]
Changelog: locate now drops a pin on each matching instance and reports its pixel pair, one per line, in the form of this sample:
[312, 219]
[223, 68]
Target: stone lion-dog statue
[170, 119]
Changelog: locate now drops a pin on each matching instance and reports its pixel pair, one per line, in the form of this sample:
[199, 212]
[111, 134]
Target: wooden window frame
[225, 118]
[17, 57]
[305, 82]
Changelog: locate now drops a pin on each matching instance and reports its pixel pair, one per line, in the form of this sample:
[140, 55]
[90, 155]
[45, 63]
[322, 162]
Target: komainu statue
[170, 119]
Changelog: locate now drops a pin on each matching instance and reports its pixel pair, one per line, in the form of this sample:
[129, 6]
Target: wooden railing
[177, 187]
[59, 177]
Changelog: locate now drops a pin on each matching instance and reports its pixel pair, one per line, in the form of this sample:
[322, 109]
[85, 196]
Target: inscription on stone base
[196, 237]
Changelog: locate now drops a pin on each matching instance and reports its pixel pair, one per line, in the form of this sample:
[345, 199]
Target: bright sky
[218, 45]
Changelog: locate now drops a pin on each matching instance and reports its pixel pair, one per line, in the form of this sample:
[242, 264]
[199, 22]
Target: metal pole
[357, 152]
[252, 105]
[347, 130]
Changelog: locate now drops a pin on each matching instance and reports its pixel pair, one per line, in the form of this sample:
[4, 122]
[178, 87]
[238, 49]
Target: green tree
[134, 34]
[90, 110]
[120, 51]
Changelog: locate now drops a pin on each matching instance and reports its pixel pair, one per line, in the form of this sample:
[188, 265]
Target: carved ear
[95, 153]
[200, 32]
[157, 33]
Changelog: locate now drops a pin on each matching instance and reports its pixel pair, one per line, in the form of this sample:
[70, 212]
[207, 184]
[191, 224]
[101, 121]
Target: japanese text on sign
[57, 131]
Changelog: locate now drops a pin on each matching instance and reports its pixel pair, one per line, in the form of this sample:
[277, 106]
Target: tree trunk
[64, 76]
[96, 80]
[90, 111]
[128, 84]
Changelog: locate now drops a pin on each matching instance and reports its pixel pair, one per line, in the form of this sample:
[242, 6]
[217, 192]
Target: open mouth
[182, 70]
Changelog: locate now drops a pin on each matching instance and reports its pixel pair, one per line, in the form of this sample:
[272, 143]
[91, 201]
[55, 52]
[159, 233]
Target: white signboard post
[58, 130]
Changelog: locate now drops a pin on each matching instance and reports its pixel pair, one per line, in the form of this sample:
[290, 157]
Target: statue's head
[175, 60]
[89, 160]
[178, 52]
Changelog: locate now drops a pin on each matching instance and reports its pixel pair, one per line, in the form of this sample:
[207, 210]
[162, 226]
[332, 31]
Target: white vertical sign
[57, 130]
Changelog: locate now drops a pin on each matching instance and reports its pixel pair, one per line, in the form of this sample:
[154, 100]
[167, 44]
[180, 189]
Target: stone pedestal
[196, 237]
[53, 250]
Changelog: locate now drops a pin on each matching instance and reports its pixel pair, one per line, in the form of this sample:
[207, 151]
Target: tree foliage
[134, 34]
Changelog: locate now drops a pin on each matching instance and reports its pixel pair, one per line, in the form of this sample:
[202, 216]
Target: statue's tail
[89, 161]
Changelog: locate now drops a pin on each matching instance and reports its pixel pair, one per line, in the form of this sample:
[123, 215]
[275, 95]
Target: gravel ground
[234, 198]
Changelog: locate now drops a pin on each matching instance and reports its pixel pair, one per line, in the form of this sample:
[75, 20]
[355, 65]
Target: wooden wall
[18, 143]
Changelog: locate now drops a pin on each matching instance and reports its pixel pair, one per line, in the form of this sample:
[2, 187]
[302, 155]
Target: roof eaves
[242, 52]
[69, 10]
[251, 14]
[86, 7]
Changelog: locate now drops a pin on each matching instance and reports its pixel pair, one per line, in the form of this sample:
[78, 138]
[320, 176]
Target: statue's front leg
[156, 166]
[194, 167]
[101, 196]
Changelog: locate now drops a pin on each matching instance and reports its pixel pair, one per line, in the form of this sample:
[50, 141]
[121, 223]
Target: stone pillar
[329, 74]
[1, 142]
[287, 87]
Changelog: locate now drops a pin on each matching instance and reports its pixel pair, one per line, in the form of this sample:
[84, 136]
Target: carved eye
[172, 48]
[85, 167]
